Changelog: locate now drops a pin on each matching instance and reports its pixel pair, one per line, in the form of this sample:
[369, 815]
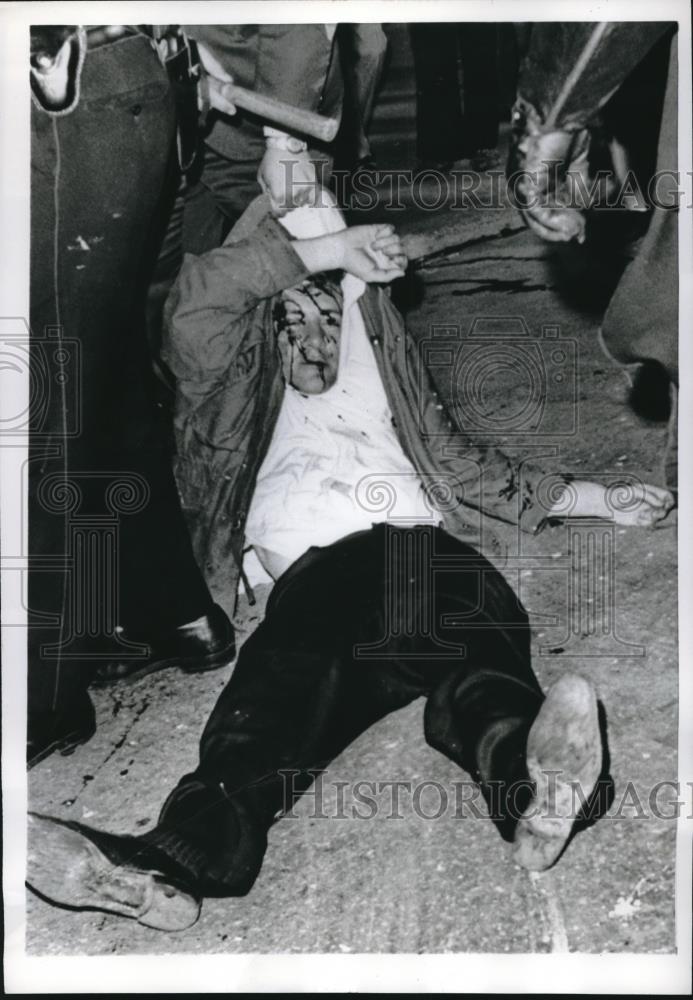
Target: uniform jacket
[221, 347]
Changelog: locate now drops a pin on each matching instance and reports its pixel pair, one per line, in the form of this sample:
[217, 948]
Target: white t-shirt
[334, 465]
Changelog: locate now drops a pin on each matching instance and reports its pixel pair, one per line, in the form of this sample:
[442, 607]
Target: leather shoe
[201, 645]
[75, 866]
[564, 760]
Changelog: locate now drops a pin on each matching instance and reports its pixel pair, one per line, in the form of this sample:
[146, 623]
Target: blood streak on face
[308, 322]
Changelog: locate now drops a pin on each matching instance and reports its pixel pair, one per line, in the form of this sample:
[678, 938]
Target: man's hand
[542, 169]
[288, 178]
[372, 253]
[213, 82]
[640, 505]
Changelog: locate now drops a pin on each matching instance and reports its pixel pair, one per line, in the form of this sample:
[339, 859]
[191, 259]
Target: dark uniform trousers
[97, 176]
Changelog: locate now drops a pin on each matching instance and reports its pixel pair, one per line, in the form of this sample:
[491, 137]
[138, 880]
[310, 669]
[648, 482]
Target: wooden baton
[296, 120]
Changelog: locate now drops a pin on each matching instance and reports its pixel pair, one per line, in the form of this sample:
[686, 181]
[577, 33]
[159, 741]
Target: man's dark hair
[329, 282]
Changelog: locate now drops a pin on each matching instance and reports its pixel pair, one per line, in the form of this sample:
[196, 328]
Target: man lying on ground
[296, 385]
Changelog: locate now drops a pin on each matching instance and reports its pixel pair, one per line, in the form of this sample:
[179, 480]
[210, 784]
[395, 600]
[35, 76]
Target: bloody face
[308, 323]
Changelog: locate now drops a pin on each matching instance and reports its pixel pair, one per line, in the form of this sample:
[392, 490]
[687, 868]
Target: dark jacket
[220, 346]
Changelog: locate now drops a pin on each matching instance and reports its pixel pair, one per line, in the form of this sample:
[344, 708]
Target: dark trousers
[642, 321]
[362, 51]
[110, 547]
[444, 132]
[352, 632]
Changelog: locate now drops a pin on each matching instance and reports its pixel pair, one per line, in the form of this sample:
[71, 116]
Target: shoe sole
[65, 867]
[564, 760]
[189, 665]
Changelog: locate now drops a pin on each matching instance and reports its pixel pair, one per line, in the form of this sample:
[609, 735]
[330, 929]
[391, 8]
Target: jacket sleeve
[286, 61]
[555, 49]
[484, 477]
[489, 481]
[479, 476]
[292, 63]
[215, 293]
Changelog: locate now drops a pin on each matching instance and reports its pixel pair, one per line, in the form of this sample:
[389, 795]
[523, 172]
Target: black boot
[198, 646]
